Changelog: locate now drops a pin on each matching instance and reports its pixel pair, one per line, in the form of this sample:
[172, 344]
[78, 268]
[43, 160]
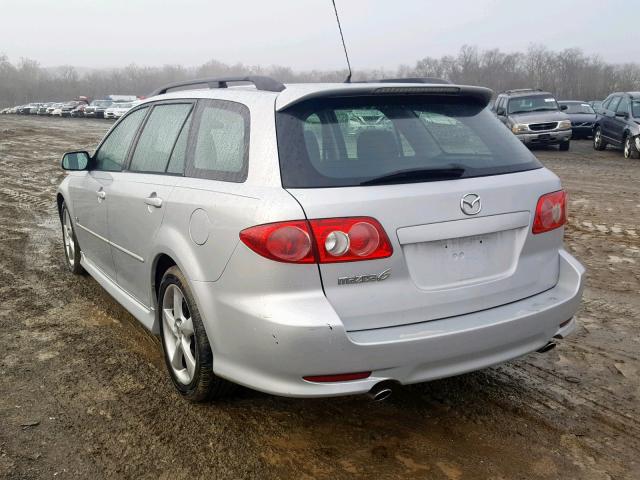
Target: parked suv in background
[619, 124]
[582, 117]
[269, 246]
[534, 117]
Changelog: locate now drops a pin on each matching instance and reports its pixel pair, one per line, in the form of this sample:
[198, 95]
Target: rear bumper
[272, 353]
[545, 138]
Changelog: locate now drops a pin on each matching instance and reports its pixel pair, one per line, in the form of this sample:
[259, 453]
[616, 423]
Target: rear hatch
[454, 191]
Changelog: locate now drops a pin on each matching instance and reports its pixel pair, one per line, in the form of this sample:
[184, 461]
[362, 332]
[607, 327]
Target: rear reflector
[342, 377]
[551, 212]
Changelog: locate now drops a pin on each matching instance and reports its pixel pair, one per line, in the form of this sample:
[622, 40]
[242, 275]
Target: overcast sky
[303, 33]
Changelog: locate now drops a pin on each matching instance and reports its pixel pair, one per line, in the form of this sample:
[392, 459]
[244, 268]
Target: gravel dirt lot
[84, 392]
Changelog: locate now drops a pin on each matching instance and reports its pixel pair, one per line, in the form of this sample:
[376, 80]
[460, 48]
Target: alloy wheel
[178, 334]
[627, 148]
[67, 234]
[597, 139]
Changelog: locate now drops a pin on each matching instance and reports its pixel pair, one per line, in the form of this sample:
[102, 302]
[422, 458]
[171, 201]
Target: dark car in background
[25, 109]
[68, 107]
[78, 111]
[96, 108]
[534, 116]
[618, 124]
[582, 117]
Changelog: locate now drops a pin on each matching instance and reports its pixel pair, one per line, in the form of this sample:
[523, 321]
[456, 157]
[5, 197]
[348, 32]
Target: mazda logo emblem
[470, 204]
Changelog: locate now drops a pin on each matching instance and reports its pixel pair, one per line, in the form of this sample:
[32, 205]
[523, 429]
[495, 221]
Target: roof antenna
[348, 79]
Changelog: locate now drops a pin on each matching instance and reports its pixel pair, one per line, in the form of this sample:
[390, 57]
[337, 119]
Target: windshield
[102, 103]
[354, 141]
[578, 108]
[533, 103]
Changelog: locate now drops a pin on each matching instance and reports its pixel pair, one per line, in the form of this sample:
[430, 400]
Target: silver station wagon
[322, 239]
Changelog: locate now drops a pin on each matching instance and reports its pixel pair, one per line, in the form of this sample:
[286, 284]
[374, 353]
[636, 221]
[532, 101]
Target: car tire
[70, 242]
[564, 146]
[630, 150]
[187, 352]
[598, 141]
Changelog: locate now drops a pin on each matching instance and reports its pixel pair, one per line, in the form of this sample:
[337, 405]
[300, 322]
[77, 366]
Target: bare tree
[569, 74]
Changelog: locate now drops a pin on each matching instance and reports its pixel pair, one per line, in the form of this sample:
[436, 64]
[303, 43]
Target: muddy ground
[84, 393]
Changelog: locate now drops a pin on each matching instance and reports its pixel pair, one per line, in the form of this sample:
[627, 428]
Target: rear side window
[179, 154]
[623, 106]
[613, 104]
[113, 151]
[221, 142]
[335, 142]
[158, 137]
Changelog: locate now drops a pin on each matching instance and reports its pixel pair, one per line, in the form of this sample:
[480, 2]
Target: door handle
[101, 195]
[153, 201]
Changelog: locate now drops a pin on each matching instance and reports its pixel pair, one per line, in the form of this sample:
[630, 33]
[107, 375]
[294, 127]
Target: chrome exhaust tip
[380, 392]
[548, 347]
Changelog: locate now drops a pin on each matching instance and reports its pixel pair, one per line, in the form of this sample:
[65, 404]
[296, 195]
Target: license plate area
[455, 262]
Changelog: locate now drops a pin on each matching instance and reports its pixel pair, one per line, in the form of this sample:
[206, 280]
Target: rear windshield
[372, 140]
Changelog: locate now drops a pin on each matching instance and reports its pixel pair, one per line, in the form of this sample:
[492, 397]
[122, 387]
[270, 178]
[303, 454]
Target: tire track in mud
[26, 200]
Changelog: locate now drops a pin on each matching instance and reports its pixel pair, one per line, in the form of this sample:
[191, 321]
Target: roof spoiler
[480, 94]
[261, 83]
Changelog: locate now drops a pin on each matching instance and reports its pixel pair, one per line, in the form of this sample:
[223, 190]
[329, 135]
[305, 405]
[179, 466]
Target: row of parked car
[537, 118]
[75, 108]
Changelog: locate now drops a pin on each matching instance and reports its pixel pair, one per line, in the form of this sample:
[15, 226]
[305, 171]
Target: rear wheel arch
[59, 201]
[161, 263]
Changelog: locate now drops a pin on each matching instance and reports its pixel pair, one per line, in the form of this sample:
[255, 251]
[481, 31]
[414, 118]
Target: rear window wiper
[416, 175]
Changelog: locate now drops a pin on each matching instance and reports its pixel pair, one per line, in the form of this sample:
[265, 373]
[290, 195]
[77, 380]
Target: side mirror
[564, 107]
[75, 161]
[624, 115]
[500, 112]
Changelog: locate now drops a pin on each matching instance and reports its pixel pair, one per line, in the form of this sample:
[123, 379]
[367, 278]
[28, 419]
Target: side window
[623, 106]
[613, 105]
[158, 137]
[221, 143]
[113, 151]
[179, 154]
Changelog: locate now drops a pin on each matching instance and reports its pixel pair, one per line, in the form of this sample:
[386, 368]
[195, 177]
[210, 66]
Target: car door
[90, 193]
[139, 196]
[620, 118]
[608, 118]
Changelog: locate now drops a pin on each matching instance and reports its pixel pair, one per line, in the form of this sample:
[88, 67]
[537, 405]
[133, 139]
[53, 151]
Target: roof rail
[519, 90]
[261, 83]
[439, 81]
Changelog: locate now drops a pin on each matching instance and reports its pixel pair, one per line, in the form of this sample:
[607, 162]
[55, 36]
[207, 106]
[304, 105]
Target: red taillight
[284, 242]
[341, 377]
[328, 240]
[359, 238]
[551, 212]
